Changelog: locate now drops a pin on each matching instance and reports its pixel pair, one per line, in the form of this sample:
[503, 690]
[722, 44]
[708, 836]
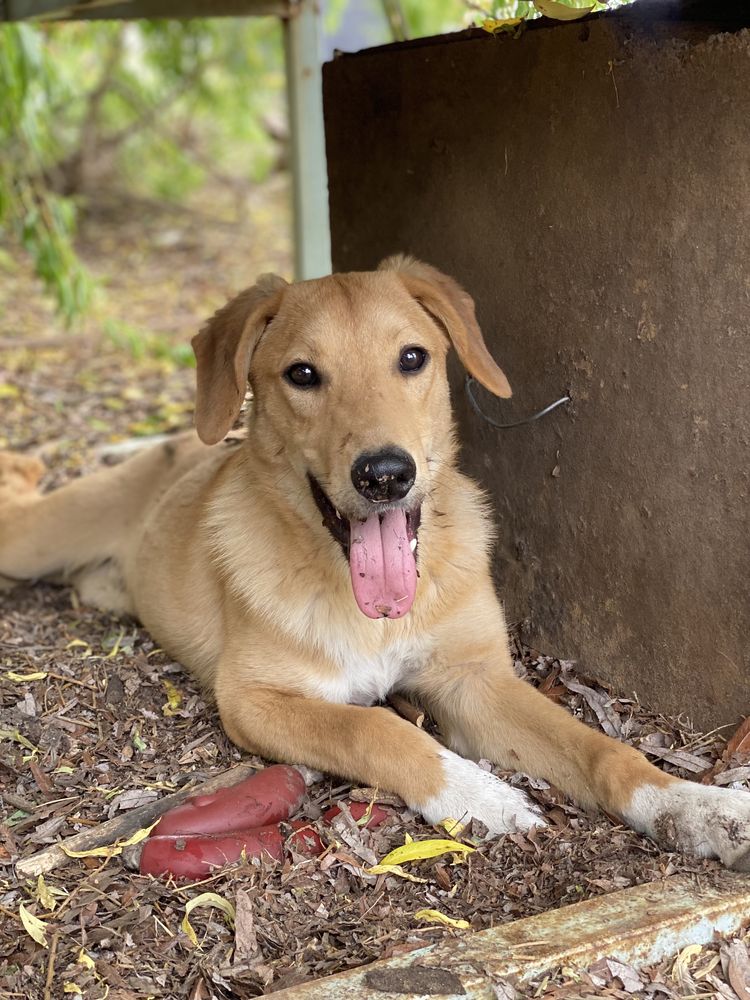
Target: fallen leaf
[739, 741]
[174, 698]
[436, 917]
[738, 968]
[453, 827]
[16, 737]
[79, 643]
[419, 850]
[382, 869]
[85, 960]
[631, 981]
[681, 966]
[43, 895]
[206, 899]
[111, 850]
[34, 927]
[245, 937]
[38, 675]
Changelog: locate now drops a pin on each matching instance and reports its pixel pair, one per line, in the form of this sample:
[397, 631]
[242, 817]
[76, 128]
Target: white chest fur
[364, 680]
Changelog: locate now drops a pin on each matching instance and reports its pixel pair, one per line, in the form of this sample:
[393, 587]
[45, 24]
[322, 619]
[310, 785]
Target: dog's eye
[302, 375]
[412, 359]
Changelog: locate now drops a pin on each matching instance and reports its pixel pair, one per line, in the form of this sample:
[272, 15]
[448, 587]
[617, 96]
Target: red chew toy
[267, 797]
[195, 856]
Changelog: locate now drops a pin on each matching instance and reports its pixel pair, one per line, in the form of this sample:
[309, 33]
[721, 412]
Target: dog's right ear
[223, 350]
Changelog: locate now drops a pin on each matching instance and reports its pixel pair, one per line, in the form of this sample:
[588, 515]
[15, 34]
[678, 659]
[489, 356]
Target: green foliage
[157, 107]
[38, 219]
[140, 344]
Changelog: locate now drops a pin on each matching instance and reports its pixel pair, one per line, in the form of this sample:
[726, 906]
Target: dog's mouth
[381, 550]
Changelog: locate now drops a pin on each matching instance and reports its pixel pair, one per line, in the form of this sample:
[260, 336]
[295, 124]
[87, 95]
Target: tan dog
[336, 555]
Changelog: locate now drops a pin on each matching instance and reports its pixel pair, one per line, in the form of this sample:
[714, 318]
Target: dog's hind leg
[86, 522]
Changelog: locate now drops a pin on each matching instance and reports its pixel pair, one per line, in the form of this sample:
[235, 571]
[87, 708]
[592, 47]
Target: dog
[337, 554]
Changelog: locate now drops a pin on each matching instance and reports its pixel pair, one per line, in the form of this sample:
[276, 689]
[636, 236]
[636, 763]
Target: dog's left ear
[223, 350]
[453, 308]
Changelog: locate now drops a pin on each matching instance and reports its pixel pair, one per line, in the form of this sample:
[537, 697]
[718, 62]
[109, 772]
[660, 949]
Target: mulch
[111, 722]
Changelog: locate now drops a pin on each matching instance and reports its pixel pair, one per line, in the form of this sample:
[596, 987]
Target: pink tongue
[384, 572]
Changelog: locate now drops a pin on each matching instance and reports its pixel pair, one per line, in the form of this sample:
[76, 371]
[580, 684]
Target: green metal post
[312, 237]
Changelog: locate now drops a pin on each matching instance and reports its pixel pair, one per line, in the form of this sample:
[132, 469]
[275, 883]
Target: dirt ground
[95, 720]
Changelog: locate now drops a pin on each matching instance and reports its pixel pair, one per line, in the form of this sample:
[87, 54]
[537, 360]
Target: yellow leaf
[64, 769]
[382, 869]
[494, 24]
[43, 894]
[8, 391]
[38, 675]
[73, 988]
[453, 827]
[116, 648]
[85, 960]
[174, 698]
[206, 899]
[110, 850]
[13, 734]
[35, 927]
[74, 643]
[418, 850]
[682, 962]
[562, 11]
[436, 917]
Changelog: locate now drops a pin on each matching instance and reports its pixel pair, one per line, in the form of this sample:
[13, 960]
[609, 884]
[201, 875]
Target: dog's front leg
[369, 745]
[485, 710]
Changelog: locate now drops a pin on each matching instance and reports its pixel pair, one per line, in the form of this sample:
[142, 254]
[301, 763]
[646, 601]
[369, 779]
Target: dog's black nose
[385, 475]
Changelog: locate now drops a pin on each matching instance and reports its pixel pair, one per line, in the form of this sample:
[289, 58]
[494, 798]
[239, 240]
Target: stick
[51, 966]
[124, 826]
[405, 709]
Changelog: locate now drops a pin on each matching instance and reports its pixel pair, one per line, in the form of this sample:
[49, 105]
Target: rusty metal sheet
[640, 925]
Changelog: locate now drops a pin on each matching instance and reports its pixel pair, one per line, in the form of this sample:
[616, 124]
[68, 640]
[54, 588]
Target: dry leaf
[34, 927]
[174, 698]
[739, 741]
[85, 960]
[38, 675]
[419, 850]
[43, 895]
[111, 850]
[738, 970]
[436, 917]
[681, 967]
[206, 899]
[245, 938]
[383, 869]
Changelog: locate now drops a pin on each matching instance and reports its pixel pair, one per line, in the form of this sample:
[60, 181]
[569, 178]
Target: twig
[124, 826]
[51, 966]
[406, 710]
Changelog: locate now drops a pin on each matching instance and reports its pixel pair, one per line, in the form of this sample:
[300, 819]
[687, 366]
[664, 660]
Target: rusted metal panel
[639, 926]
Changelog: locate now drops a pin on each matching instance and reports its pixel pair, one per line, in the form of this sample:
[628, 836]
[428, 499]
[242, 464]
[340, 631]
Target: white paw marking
[697, 819]
[470, 792]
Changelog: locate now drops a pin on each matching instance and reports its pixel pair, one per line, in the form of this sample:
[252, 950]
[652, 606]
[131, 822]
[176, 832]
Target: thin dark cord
[469, 385]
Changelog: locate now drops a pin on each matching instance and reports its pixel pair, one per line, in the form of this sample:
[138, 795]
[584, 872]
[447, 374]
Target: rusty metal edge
[640, 925]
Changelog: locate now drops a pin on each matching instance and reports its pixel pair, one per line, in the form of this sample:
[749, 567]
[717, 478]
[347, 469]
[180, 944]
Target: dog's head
[350, 392]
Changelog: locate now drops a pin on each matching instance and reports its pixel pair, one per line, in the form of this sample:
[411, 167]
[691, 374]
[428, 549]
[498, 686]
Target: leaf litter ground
[114, 723]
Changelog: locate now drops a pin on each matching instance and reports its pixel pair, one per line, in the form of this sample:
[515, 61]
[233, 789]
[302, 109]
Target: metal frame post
[304, 84]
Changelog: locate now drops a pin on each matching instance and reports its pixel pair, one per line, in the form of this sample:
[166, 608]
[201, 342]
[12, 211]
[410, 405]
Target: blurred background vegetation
[161, 113]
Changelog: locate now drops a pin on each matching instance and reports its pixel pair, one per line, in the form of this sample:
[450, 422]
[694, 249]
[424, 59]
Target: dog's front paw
[471, 793]
[696, 819]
